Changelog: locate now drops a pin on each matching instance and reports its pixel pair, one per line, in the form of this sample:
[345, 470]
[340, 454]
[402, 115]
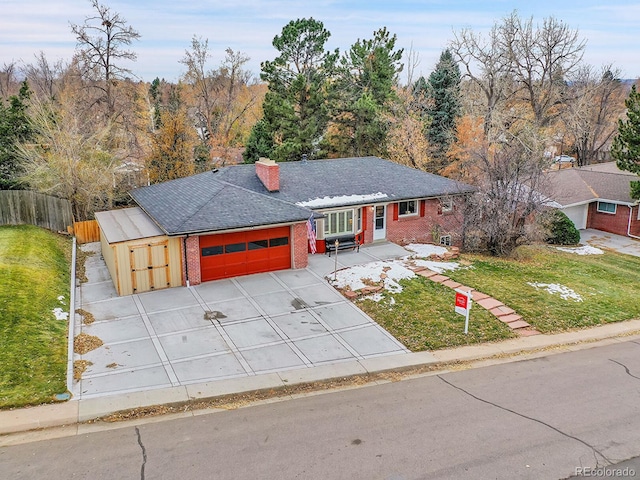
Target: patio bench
[345, 242]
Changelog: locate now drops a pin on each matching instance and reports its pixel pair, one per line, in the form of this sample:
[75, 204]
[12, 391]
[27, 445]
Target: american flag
[311, 234]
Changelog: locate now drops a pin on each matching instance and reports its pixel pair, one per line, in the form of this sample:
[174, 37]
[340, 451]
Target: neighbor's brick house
[597, 196]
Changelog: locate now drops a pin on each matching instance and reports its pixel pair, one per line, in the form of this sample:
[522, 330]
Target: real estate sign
[463, 306]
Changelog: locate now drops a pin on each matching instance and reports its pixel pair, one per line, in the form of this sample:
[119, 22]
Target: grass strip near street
[422, 317]
[607, 286]
[34, 275]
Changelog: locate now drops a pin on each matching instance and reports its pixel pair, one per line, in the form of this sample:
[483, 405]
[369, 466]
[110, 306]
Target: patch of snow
[586, 250]
[61, 298]
[439, 267]
[341, 200]
[425, 249]
[353, 277]
[60, 314]
[376, 297]
[553, 288]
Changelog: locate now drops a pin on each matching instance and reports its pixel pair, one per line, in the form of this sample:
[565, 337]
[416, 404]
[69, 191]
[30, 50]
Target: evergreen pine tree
[625, 148]
[445, 106]
[15, 127]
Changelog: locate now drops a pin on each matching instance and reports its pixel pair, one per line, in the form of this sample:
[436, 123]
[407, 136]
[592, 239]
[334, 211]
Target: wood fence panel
[18, 207]
[86, 232]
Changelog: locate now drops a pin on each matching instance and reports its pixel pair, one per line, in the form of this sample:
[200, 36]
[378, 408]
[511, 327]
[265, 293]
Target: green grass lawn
[34, 272]
[608, 285]
[422, 315]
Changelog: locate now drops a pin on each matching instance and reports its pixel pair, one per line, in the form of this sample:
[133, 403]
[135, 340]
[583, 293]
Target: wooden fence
[86, 232]
[19, 207]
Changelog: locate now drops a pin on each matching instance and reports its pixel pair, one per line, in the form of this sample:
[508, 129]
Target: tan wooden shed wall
[119, 259]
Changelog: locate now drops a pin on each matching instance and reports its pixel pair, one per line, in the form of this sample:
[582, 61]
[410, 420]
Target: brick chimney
[268, 172]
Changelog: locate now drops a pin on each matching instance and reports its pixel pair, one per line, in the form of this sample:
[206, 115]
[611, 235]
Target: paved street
[535, 419]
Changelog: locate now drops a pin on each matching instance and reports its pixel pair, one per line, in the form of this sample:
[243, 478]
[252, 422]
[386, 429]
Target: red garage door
[241, 253]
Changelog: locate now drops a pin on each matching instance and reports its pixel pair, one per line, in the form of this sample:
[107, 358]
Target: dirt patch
[79, 366]
[84, 343]
[87, 317]
[113, 365]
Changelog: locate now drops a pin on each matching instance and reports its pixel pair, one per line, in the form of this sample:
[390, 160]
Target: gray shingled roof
[573, 186]
[234, 197]
[361, 176]
[203, 203]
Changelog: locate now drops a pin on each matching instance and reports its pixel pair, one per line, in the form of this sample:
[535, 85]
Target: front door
[379, 220]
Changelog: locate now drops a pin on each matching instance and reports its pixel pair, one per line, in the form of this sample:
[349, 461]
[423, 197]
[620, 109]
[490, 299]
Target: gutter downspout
[186, 263]
[629, 224]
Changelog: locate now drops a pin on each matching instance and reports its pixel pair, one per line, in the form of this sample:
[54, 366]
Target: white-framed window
[407, 208]
[446, 205]
[606, 207]
[358, 219]
[339, 222]
[445, 240]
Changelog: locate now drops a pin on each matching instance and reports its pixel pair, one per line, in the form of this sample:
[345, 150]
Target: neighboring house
[597, 196]
[245, 219]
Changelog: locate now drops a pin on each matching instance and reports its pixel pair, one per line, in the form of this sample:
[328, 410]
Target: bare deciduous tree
[509, 179]
[596, 102]
[101, 46]
[45, 77]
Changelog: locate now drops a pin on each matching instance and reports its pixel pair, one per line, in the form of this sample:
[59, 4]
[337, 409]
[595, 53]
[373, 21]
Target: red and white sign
[463, 306]
[462, 301]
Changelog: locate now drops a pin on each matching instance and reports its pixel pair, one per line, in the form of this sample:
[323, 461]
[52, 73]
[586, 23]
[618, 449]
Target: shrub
[560, 229]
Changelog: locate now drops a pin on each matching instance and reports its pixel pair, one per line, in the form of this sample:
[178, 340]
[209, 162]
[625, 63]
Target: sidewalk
[72, 413]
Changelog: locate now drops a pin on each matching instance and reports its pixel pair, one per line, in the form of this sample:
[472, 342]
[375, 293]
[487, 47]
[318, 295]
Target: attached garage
[578, 215]
[139, 256]
[227, 255]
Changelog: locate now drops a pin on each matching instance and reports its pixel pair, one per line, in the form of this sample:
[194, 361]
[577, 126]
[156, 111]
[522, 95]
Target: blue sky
[611, 28]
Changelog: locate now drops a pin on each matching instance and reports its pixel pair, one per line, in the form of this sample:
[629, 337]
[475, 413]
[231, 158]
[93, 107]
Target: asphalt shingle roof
[581, 185]
[360, 176]
[202, 203]
[234, 196]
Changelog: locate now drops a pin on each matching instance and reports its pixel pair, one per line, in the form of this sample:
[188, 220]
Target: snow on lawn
[60, 314]
[553, 288]
[439, 267]
[353, 277]
[425, 249]
[586, 250]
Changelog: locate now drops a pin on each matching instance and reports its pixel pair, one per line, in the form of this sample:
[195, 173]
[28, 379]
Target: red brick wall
[635, 223]
[193, 261]
[418, 228]
[608, 222]
[299, 245]
[268, 172]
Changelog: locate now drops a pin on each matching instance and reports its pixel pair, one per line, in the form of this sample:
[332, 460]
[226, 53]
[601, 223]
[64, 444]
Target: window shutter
[423, 205]
[395, 211]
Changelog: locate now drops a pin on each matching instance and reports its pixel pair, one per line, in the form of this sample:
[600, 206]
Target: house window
[338, 223]
[358, 219]
[606, 207]
[445, 240]
[409, 207]
[446, 205]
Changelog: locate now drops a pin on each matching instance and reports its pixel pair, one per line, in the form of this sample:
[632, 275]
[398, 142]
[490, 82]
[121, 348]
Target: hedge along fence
[18, 207]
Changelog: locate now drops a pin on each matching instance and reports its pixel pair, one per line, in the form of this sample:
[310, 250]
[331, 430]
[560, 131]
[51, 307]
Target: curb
[74, 412]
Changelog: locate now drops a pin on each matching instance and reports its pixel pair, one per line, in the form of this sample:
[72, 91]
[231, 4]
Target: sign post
[463, 306]
[335, 270]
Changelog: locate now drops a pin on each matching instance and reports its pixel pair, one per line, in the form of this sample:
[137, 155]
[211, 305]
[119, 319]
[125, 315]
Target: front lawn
[34, 274]
[422, 317]
[606, 284]
[552, 290]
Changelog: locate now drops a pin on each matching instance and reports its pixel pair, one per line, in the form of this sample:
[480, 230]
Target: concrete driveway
[619, 243]
[223, 329]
